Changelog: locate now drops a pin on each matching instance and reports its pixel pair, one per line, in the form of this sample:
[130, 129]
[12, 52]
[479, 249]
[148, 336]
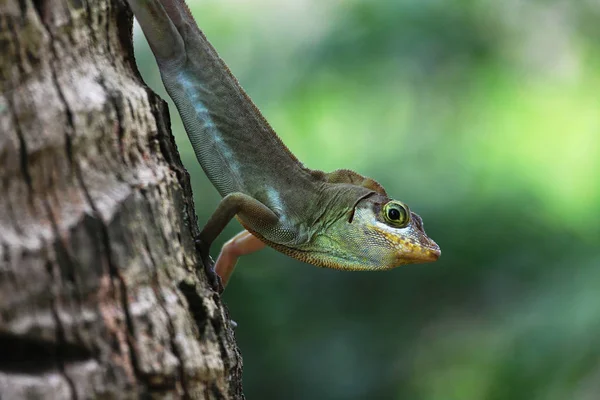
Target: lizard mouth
[425, 253]
[417, 248]
[433, 253]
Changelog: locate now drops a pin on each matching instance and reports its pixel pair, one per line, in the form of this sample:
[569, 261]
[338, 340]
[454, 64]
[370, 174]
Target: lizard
[340, 219]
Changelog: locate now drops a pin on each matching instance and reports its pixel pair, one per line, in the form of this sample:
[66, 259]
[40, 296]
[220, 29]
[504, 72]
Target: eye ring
[396, 214]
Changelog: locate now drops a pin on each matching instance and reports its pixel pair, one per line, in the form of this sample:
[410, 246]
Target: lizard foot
[209, 267]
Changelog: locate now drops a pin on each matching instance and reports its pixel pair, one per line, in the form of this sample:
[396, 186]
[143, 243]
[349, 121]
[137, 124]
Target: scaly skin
[338, 220]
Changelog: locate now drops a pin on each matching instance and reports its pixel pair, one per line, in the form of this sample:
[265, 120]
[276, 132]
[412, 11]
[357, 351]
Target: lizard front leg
[253, 212]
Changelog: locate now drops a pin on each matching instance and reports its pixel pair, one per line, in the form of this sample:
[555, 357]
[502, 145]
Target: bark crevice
[112, 96]
[23, 153]
[25, 355]
[195, 305]
[157, 288]
[39, 6]
[119, 289]
[61, 342]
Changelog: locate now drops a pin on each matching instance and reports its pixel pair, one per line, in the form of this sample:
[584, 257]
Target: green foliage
[483, 117]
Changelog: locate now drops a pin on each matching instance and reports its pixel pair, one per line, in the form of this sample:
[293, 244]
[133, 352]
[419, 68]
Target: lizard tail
[156, 19]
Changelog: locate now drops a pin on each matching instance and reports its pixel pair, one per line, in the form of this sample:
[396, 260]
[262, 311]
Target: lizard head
[378, 233]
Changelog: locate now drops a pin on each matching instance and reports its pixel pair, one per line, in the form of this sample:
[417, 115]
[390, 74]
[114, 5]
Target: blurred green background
[484, 116]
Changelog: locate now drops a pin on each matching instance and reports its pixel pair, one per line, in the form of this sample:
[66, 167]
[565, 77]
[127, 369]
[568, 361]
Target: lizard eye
[396, 214]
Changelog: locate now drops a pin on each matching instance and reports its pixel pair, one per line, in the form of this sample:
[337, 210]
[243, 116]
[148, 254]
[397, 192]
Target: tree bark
[99, 296]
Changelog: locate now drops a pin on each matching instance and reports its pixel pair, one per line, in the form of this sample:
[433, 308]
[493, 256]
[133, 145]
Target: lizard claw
[209, 267]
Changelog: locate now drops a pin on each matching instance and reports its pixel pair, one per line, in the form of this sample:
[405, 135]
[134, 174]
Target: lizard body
[338, 220]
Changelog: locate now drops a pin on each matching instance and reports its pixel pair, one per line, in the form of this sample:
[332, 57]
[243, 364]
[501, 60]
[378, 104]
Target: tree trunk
[99, 296]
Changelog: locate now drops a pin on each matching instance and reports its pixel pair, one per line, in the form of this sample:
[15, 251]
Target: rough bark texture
[99, 296]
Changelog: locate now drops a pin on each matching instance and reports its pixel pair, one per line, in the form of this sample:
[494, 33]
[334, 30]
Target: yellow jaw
[407, 247]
